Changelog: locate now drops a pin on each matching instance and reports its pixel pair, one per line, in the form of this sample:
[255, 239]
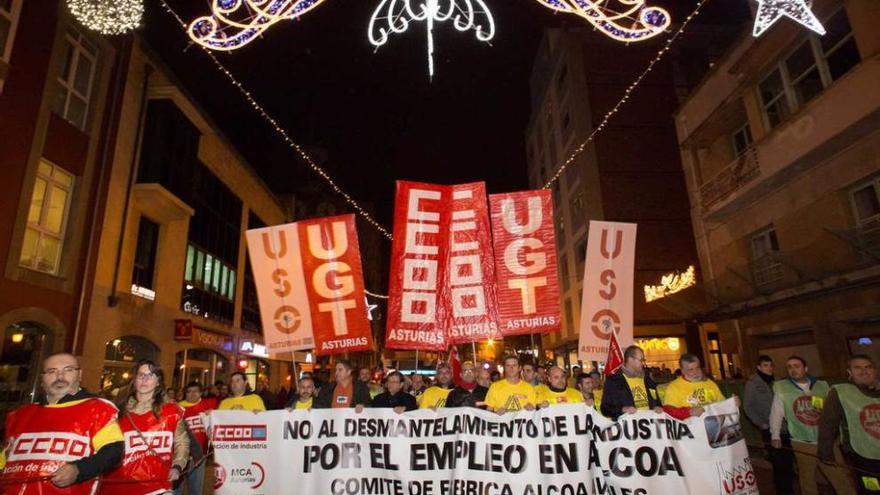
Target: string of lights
[283, 133]
[626, 94]
[366, 215]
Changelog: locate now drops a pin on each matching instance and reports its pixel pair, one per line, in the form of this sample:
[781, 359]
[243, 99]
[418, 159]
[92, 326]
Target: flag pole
[474, 350]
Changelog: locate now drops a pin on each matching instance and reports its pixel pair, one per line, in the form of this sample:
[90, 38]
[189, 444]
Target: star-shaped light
[770, 11]
[370, 308]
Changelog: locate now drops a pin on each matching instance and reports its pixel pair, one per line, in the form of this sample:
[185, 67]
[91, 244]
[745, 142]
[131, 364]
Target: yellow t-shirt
[304, 405]
[597, 398]
[512, 397]
[541, 388]
[433, 397]
[567, 396]
[248, 402]
[682, 393]
[639, 391]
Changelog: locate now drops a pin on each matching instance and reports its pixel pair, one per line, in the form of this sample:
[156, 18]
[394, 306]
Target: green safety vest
[862, 419]
[803, 410]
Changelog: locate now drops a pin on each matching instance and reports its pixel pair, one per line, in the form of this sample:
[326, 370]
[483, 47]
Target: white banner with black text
[563, 450]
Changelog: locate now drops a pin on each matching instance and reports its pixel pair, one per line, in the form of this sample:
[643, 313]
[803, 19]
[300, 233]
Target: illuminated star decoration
[235, 23]
[395, 16]
[370, 308]
[770, 11]
[632, 20]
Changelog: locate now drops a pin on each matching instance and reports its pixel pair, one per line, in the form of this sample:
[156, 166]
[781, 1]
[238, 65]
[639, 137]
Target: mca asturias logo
[253, 476]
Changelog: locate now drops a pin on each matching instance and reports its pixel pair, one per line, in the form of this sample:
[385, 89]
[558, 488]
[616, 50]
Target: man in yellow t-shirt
[558, 392]
[240, 395]
[435, 397]
[692, 390]
[511, 393]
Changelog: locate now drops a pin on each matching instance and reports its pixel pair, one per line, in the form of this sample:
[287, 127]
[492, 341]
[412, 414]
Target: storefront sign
[205, 338]
[524, 242]
[249, 346]
[183, 329]
[442, 269]
[310, 286]
[607, 304]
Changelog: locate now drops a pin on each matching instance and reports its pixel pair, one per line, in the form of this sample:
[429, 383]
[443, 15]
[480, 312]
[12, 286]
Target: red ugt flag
[615, 356]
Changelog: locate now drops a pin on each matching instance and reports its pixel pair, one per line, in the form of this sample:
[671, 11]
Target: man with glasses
[630, 389]
[394, 397]
[81, 428]
[468, 393]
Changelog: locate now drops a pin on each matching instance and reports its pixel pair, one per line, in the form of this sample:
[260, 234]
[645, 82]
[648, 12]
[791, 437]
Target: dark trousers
[866, 473]
[783, 463]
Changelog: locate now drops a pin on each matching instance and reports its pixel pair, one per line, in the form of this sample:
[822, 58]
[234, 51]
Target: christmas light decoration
[354, 204]
[395, 16]
[108, 16]
[635, 21]
[770, 11]
[235, 23]
[670, 284]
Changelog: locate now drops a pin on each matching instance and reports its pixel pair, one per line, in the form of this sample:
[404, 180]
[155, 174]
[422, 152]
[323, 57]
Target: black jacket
[617, 395]
[359, 390]
[386, 400]
[105, 459]
[462, 397]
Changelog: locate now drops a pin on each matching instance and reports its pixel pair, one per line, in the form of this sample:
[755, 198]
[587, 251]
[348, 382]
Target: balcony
[730, 179]
[767, 271]
[864, 239]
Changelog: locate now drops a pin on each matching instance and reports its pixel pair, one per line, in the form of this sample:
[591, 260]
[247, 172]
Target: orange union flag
[525, 262]
[310, 286]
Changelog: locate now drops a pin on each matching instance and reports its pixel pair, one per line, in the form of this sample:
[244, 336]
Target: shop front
[120, 355]
[25, 345]
[662, 352]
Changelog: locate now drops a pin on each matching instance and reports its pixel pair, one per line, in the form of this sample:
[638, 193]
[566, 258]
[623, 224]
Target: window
[47, 219]
[569, 316]
[250, 305]
[9, 12]
[562, 78]
[766, 266]
[580, 254]
[809, 69]
[741, 140]
[866, 202]
[563, 272]
[773, 98]
[145, 255]
[838, 46]
[76, 81]
[578, 208]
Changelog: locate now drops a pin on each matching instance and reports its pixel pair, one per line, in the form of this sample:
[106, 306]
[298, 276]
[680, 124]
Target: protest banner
[442, 283]
[524, 242]
[607, 300]
[310, 286]
[562, 450]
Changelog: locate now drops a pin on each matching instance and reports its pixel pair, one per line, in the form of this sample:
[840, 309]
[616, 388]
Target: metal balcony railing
[767, 270]
[731, 178]
[868, 236]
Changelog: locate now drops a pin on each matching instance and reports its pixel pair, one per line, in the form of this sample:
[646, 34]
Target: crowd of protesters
[153, 441]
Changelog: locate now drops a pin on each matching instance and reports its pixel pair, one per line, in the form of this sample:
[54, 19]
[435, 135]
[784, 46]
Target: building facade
[55, 94]
[781, 148]
[123, 215]
[172, 281]
[577, 77]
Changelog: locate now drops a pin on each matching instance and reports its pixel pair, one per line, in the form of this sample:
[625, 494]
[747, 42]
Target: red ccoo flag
[455, 363]
[615, 356]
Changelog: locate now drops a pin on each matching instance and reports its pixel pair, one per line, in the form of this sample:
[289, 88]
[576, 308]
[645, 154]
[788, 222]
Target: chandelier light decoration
[395, 16]
[108, 16]
[235, 23]
[770, 11]
[622, 20]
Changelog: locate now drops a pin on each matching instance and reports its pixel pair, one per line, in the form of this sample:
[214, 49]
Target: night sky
[376, 115]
